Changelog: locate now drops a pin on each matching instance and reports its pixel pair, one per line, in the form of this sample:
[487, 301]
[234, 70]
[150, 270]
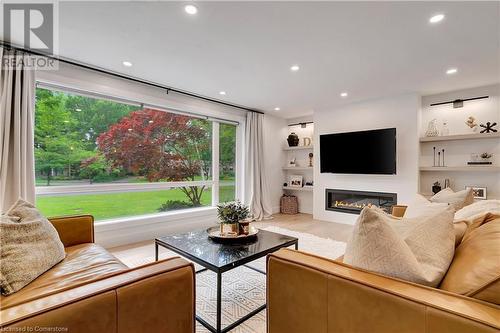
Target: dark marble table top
[198, 247]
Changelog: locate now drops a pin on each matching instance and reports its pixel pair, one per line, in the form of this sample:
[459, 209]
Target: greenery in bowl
[232, 212]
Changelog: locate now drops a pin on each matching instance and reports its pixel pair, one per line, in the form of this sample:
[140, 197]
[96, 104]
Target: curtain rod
[127, 77]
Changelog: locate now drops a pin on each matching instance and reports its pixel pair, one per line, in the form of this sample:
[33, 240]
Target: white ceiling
[369, 49]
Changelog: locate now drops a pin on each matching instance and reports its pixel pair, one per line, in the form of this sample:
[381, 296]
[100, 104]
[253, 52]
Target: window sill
[122, 231]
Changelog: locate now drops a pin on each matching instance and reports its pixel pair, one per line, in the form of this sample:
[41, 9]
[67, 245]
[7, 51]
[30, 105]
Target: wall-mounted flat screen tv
[365, 152]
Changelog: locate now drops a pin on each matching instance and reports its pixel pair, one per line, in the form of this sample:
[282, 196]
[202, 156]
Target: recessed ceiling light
[127, 64]
[294, 68]
[191, 9]
[436, 18]
[344, 94]
[451, 71]
[222, 92]
[277, 109]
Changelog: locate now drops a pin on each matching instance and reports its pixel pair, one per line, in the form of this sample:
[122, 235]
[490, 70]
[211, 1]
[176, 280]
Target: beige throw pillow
[413, 249]
[458, 199]
[29, 244]
[423, 207]
[477, 210]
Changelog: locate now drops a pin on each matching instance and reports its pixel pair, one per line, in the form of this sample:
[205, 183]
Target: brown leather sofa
[308, 293]
[92, 291]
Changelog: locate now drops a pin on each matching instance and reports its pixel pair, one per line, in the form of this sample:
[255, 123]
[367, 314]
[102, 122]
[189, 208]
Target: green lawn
[113, 205]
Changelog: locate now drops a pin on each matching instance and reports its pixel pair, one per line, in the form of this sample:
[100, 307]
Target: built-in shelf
[461, 137]
[305, 188]
[298, 147]
[481, 168]
[298, 168]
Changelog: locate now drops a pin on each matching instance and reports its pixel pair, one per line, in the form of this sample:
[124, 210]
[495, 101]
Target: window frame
[214, 183]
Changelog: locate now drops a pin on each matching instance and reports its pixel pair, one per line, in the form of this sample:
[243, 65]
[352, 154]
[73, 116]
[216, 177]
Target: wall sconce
[459, 103]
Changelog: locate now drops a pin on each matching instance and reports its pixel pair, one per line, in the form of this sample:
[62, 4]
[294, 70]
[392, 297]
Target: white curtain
[17, 99]
[256, 185]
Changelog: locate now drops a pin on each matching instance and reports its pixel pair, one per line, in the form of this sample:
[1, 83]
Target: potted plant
[231, 213]
[486, 156]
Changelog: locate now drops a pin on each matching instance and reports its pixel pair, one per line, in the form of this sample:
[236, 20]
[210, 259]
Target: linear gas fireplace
[353, 202]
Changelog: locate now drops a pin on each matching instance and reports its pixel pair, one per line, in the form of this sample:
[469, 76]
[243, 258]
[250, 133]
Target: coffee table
[222, 257]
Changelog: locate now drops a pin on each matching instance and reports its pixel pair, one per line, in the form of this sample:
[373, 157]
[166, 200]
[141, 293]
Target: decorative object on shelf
[439, 158]
[436, 187]
[483, 159]
[458, 103]
[444, 129]
[289, 204]
[471, 122]
[295, 181]
[311, 184]
[231, 213]
[446, 183]
[432, 129]
[311, 159]
[293, 140]
[307, 141]
[434, 161]
[292, 162]
[443, 164]
[488, 127]
[478, 192]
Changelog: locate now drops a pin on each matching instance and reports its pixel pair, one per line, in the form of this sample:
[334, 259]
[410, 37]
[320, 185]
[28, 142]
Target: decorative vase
[234, 228]
[244, 228]
[436, 188]
[293, 140]
[432, 129]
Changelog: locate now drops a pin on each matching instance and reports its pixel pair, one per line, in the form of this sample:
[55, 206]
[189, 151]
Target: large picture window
[114, 160]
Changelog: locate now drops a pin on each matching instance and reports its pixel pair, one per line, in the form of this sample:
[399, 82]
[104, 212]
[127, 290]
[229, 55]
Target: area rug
[243, 289]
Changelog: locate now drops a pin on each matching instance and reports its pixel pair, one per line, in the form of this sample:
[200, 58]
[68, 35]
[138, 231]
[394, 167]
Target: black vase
[293, 140]
[436, 188]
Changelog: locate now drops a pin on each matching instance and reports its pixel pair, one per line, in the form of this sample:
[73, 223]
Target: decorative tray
[214, 233]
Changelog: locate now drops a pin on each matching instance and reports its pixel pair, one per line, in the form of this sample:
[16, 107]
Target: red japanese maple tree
[160, 146]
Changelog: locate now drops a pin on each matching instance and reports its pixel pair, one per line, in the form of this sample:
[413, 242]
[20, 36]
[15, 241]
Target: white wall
[457, 153]
[401, 112]
[275, 130]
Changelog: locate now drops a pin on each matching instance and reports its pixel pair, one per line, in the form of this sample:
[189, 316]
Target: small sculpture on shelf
[488, 128]
[436, 187]
[432, 129]
[311, 159]
[471, 122]
[293, 140]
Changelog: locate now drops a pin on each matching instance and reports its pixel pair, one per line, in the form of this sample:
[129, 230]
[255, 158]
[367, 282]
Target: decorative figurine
[443, 157]
[434, 162]
[293, 140]
[436, 187]
[311, 159]
[445, 130]
[432, 128]
[488, 128]
[471, 122]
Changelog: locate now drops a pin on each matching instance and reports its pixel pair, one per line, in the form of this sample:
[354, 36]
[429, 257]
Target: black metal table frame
[219, 271]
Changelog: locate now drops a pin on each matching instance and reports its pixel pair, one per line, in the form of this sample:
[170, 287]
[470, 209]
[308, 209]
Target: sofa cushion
[477, 209]
[475, 270]
[458, 199]
[83, 263]
[418, 250]
[420, 206]
[30, 246]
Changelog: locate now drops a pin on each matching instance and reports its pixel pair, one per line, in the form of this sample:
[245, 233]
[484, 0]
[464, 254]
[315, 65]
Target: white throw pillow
[477, 209]
[423, 207]
[413, 249]
[458, 199]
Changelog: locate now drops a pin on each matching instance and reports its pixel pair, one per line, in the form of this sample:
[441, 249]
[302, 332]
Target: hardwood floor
[299, 222]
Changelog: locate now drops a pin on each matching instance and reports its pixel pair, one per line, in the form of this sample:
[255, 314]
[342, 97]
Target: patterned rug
[243, 288]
